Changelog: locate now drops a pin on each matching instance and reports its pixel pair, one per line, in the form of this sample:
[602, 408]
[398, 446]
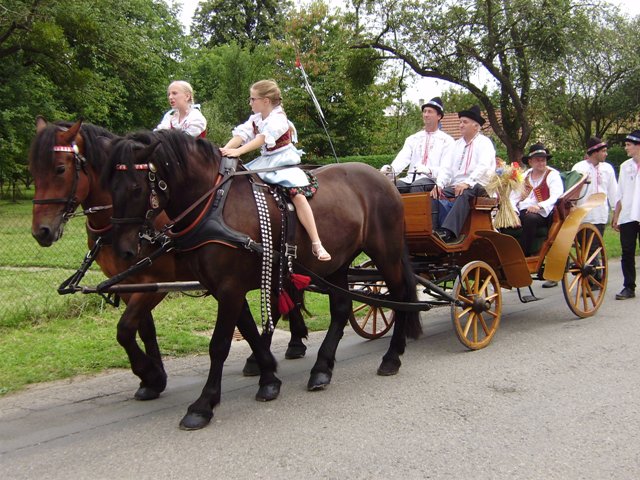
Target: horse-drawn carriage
[174, 172]
[470, 275]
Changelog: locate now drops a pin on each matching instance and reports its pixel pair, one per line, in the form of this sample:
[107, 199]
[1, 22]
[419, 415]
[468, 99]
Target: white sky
[423, 88]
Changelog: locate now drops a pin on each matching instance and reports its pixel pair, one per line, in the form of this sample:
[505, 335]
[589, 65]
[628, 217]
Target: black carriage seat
[572, 182]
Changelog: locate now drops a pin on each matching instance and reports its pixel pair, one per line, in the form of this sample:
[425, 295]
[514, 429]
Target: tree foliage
[245, 22]
[108, 62]
[595, 90]
[346, 83]
[512, 41]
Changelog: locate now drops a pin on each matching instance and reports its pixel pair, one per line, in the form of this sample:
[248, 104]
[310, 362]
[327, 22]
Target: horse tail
[413, 327]
[297, 327]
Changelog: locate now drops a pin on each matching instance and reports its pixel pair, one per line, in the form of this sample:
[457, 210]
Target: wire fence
[30, 274]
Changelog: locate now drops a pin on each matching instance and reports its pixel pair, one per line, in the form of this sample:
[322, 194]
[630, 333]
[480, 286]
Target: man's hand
[534, 209]
[386, 169]
[614, 224]
[459, 188]
[423, 170]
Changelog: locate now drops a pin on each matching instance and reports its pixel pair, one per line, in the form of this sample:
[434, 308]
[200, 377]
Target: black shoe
[549, 284]
[445, 235]
[625, 294]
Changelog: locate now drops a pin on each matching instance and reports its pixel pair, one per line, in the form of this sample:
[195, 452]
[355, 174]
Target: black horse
[357, 210]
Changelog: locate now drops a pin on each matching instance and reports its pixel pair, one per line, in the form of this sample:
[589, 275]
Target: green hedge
[562, 160]
[376, 161]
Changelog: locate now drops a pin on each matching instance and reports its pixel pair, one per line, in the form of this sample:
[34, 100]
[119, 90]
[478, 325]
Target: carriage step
[529, 298]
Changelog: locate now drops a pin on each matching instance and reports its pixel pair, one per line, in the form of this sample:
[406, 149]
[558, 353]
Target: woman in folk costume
[269, 130]
[184, 114]
[542, 187]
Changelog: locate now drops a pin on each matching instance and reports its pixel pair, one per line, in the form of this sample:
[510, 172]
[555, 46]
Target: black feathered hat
[436, 103]
[473, 113]
[536, 150]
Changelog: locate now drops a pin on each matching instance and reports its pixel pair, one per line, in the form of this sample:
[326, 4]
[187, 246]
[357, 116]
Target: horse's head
[151, 172]
[137, 195]
[57, 165]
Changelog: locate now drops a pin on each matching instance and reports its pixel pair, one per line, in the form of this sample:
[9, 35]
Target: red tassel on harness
[300, 281]
[285, 304]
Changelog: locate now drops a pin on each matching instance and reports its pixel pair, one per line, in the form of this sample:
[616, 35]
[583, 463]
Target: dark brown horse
[66, 162]
[356, 208]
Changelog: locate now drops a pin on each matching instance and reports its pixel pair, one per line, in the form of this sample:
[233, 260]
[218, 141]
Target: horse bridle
[72, 201]
[147, 231]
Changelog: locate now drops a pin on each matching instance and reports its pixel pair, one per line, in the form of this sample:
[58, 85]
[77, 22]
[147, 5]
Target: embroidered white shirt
[602, 179]
[193, 123]
[430, 149]
[629, 191]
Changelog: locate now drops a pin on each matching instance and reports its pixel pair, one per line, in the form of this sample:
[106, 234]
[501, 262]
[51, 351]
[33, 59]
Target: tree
[221, 77]
[344, 80]
[108, 62]
[596, 88]
[507, 40]
[245, 22]
[348, 84]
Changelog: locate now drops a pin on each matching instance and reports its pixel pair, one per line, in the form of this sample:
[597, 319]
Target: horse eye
[60, 169]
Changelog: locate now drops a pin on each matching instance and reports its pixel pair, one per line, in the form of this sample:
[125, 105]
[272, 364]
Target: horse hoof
[294, 352]
[389, 367]
[251, 368]
[318, 381]
[269, 392]
[195, 421]
[146, 393]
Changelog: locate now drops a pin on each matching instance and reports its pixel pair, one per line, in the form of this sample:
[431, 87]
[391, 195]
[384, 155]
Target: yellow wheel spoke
[483, 324]
[465, 330]
[485, 284]
[466, 300]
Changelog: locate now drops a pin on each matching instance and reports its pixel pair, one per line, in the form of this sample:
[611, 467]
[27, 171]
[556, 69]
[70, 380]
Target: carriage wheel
[477, 317]
[585, 280]
[367, 321]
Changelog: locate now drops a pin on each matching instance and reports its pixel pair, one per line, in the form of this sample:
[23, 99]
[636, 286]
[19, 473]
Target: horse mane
[170, 155]
[41, 153]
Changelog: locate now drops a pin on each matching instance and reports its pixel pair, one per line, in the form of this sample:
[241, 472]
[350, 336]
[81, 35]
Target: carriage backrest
[573, 182]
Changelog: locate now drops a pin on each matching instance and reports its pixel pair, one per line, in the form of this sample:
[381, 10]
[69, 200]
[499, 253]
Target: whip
[323, 121]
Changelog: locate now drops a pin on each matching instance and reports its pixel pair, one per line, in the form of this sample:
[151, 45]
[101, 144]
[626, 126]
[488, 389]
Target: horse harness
[210, 227]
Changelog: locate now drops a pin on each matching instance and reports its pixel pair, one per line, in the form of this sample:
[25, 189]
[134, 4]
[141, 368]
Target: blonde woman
[269, 130]
[184, 114]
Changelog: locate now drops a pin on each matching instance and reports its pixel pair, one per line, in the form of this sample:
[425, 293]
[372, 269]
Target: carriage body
[485, 261]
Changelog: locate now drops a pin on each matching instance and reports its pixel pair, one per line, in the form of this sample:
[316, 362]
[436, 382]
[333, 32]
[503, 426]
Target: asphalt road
[552, 397]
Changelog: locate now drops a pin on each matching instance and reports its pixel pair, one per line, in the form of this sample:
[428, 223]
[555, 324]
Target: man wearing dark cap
[472, 163]
[626, 216]
[602, 179]
[423, 152]
[542, 187]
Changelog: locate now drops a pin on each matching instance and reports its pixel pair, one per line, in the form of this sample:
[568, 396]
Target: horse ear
[146, 152]
[41, 123]
[69, 135]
